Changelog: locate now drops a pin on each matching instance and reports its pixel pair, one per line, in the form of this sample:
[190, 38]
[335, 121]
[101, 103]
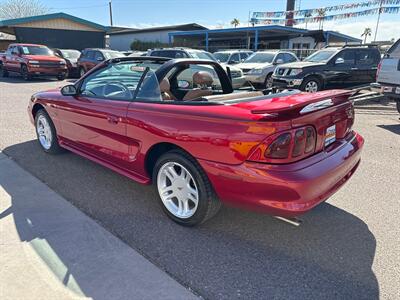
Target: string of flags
[256, 19]
[315, 11]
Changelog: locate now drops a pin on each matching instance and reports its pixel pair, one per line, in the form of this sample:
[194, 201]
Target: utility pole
[377, 22]
[111, 17]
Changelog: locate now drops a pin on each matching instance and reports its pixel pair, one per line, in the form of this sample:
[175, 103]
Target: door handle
[112, 119]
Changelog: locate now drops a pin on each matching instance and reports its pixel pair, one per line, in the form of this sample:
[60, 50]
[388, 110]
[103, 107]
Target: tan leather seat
[165, 89]
[202, 82]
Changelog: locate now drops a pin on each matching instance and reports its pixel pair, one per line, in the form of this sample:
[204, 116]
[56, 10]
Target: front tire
[61, 77]
[4, 72]
[46, 133]
[25, 73]
[268, 81]
[185, 193]
[311, 85]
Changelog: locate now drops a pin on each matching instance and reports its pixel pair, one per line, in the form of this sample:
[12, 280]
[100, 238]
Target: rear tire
[311, 85]
[46, 133]
[25, 73]
[185, 193]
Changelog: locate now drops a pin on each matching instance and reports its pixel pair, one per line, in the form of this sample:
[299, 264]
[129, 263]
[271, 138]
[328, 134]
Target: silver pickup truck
[388, 75]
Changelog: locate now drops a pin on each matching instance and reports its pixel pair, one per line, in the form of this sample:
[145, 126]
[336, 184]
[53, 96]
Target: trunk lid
[331, 113]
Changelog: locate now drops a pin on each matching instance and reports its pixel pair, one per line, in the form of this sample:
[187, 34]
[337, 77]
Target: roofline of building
[160, 28]
[239, 29]
[344, 36]
[11, 22]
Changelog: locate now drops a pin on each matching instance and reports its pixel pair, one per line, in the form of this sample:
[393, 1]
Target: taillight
[378, 70]
[280, 147]
[286, 147]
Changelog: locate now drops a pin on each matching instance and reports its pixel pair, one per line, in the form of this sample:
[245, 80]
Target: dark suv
[92, 57]
[330, 68]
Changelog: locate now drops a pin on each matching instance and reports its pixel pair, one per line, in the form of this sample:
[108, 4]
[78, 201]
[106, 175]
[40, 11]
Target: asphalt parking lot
[347, 248]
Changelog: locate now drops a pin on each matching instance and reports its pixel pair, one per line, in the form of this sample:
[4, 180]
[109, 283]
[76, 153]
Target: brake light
[378, 70]
[286, 147]
[280, 147]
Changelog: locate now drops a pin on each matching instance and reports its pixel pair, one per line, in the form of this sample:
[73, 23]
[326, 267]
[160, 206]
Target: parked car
[259, 67]
[232, 57]
[31, 60]
[71, 58]
[137, 53]
[388, 75]
[202, 146]
[238, 80]
[331, 67]
[91, 57]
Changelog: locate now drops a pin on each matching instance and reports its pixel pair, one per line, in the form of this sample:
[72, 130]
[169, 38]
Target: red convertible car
[179, 125]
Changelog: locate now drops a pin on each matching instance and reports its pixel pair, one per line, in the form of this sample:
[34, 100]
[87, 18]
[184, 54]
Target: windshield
[221, 56]
[320, 56]
[36, 50]
[201, 55]
[71, 54]
[260, 57]
[112, 54]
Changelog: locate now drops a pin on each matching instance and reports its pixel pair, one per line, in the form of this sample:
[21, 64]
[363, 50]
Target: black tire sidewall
[269, 76]
[24, 73]
[204, 191]
[311, 78]
[54, 148]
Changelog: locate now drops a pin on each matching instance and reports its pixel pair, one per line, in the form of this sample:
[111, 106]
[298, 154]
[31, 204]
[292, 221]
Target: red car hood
[43, 57]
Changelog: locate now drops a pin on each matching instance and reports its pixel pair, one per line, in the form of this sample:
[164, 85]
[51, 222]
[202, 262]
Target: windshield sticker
[137, 69]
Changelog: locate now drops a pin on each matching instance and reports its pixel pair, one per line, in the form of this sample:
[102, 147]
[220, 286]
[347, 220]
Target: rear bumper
[390, 90]
[286, 190]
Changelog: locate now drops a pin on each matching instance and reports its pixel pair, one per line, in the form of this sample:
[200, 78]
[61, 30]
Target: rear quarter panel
[224, 134]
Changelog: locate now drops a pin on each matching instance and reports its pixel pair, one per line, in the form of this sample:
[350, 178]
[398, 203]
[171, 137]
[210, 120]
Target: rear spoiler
[304, 102]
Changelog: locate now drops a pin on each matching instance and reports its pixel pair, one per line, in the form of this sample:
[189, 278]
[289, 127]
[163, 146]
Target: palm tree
[367, 32]
[235, 22]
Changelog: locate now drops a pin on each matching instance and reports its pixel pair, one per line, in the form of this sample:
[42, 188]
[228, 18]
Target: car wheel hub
[311, 87]
[44, 132]
[178, 190]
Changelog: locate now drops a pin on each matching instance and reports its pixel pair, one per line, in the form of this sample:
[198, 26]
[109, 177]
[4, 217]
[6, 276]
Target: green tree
[235, 22]
[367, 32]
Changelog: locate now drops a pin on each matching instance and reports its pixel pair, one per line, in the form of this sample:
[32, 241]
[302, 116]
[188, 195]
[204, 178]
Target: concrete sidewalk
[51, 250]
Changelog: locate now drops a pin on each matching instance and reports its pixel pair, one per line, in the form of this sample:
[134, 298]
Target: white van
[388, 75]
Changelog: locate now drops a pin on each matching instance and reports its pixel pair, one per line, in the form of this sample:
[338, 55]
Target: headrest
[202, 78]
[164, 85]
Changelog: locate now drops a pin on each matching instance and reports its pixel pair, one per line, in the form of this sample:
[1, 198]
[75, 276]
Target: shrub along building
[58, 30]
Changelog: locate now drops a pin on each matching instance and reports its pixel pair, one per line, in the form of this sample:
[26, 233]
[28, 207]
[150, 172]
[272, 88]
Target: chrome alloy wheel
[177, 190]
[311, 86]
[44, 132]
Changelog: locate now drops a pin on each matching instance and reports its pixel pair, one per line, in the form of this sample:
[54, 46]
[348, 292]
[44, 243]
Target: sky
[213, 13]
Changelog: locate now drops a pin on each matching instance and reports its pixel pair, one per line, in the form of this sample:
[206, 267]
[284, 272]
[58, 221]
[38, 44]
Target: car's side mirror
[69, 90]
[279, 61]
[15, 53]
[339, 61]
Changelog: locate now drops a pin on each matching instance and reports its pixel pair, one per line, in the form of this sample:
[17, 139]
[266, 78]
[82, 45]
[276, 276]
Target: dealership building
[58, 30]
[259, 37]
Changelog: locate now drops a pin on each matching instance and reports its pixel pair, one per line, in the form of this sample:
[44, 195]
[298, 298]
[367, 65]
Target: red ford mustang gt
[178, 124]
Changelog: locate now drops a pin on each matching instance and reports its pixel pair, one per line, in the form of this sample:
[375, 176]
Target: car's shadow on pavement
[395, 128]
[237, 254]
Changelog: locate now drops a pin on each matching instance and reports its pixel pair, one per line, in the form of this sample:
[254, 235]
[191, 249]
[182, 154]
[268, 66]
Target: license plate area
[330, 135]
